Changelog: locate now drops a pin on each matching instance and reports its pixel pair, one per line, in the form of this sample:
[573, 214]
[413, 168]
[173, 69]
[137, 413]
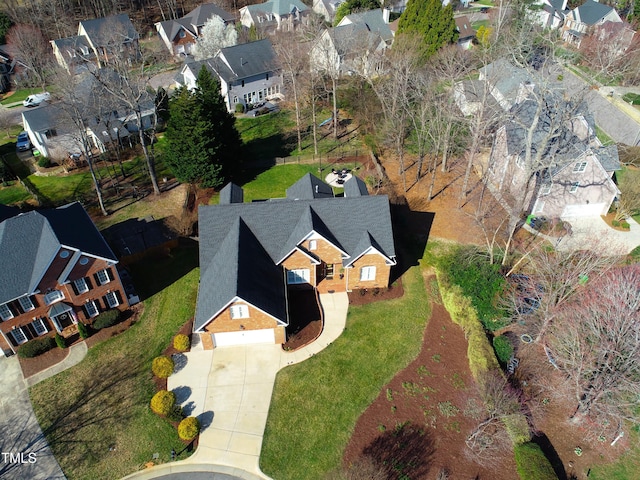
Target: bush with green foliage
[176, 414]
[181, 342]
[239, 108]
[625, 225]
[163, 402]
[632, 98]
[503, 348]
[532, 464]
[615, 223]
[44, 162]
[517, 428]
[479, 280]
[83, 330]
[36, 347]
[60, 341]
[162, 366]
[106, 319]
[189, 428]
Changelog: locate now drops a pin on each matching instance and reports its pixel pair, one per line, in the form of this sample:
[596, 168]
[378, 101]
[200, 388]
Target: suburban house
[581, 21]
[98, 41]
[181, 34]
[466, 33]
[284, 15]
[550, 13]
[53, 133]
[57, 271]
[253, 254]
[355, 45]
[326, 8]
[248, 74]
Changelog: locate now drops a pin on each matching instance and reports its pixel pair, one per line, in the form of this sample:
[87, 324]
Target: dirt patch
[418, 424]
[371, 295]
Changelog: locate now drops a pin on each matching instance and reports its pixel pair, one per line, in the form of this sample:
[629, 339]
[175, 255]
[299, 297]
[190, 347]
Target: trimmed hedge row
[106, 319]
[36, 347]
[503, 348]
[532, 464]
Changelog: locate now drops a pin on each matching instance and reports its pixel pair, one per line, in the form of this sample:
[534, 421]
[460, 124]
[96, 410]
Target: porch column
[56, 324]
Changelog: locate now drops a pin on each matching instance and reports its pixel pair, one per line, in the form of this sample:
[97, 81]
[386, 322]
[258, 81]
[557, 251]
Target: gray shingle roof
[354, 187]
[109, 30]
[42, 117]
[308, 188]
[246, 60]
[72, 43]
[199, 15]
[591, 12]
[278, 7]
[29, 241]
[609, 158]
[505, 77]
[276, 228]
[231, 193]
[372, 21]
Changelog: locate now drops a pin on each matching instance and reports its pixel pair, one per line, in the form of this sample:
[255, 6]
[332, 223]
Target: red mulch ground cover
[420, 420]
[370, 295]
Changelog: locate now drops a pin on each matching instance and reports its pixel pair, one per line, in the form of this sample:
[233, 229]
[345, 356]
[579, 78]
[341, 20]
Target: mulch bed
[305, 322]
[186, 329]
[418, 424]
[370, 295]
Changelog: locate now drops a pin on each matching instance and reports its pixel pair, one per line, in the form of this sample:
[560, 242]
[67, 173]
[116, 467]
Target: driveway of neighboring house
[592, 233]
[25, 451]
[229, 389]
[164, 80]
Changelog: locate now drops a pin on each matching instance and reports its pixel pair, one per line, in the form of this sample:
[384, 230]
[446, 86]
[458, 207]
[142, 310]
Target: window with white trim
[313, 244]
[5, 312]
[579, 167]
[368, 273]
[53, 296]
[91, 308]
[574, 187]
[103, 277]
[81, 285]
[25, 303]
[301, 275]
[18, 335]
[239, 311]
[112, 299]
[39, 326]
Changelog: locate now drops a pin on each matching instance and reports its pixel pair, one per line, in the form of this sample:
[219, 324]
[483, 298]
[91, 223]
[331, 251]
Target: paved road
[25, 452]
[617, 124]
[15, 114]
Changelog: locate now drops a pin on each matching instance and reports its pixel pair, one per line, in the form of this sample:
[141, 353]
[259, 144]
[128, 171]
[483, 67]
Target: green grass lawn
[316, 404]
[19, 95]
[95, 415]
[13, 193]
[273, 183]
[634, 173]
[603, 137]
[626, 467]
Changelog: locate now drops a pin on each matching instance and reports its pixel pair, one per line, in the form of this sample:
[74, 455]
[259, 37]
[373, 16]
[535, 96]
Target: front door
[64, 320]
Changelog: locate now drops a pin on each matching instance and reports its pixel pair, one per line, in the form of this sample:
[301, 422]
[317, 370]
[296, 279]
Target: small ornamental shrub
[189, 428]
[162, 402]
[532, 464]
[162, 366]
[503, 348]
[106, 319]
[625, 225]
[181, 342]
[44, 162]
[82, 330]
[176, 414]
[36, 347]
[239, 108]
[60, 341]
[615, 223]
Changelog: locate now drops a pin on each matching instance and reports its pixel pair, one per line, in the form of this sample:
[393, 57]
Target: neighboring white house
[582, 20]
[326, 8]
[180, 35]
[248, 73]
[284, 15]
[354, 46]
[550, 13]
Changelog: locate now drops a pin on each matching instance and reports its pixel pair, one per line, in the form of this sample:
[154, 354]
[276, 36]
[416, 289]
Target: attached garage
[586, 210]
[244, 337]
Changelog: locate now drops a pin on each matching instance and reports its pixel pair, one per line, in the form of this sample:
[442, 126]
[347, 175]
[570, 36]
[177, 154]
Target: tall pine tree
[203, 145]
[432, 22]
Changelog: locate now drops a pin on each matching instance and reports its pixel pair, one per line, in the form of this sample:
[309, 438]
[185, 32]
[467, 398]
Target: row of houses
[59, 271]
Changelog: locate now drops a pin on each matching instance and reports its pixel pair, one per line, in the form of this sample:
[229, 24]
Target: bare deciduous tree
[34, 52]
[214, 36]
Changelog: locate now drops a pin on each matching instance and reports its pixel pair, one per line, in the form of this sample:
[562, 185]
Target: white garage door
[589, 210]
[243, 338]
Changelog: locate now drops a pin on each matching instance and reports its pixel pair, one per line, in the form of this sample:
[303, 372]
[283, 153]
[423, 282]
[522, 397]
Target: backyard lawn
[316, 404]
[96, 415]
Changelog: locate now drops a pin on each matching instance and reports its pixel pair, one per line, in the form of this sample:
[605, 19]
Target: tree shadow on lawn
[83, 429]
[404, 452]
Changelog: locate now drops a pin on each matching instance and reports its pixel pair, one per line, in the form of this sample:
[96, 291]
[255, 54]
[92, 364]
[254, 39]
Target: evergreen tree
[354, 6]
[203, 145]
[430, 21]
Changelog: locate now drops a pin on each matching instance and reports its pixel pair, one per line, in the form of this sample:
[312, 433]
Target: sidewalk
[229, 389]
[76, 354]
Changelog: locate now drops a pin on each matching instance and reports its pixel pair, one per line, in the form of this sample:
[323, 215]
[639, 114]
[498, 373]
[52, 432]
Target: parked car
[484, 10]
[23, 143]
[36, 99]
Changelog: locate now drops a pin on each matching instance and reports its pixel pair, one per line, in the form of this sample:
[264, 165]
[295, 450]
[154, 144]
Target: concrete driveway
[25, 451]
[592, 233]
[229, 389]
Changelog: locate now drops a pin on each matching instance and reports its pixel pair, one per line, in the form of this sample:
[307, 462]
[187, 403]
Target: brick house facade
[253, 254]
[59, 271]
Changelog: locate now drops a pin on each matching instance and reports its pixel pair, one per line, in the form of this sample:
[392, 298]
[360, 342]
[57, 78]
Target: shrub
[503, 348]
[82, 330]
[517, 428]
[44, 162]
[181, 342]
[239, 108]
[615, 223]
[106, 319]
[189, 428]
[560, 77]
[36, 347]
[162, 366]
[532, 464]
[176, 414]
[162, 402]
[625, 225]
[60, 341]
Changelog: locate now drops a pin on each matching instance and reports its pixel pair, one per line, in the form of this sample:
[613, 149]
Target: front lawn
[273, 183]
[13, 193]
[95, 415]
[316, 404]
